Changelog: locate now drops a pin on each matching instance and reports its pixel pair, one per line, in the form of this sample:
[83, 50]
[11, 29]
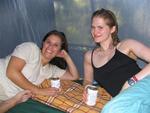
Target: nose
[50, 46]
[53, 46]
[95, 32]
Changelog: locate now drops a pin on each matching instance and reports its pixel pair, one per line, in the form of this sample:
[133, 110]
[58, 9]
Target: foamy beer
[55, 82]
[92, 92]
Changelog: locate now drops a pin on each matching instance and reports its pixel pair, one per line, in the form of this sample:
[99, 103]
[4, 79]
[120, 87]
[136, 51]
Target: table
[69, 100]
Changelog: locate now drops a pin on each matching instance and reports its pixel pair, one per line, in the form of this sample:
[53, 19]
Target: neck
[44, 61]
[106, 45]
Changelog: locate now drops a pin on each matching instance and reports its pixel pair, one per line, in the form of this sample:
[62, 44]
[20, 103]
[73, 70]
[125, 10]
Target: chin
[49, 57]
[97, 41]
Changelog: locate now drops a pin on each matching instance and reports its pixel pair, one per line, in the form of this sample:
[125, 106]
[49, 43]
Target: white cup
[92, 92]
[55, 82]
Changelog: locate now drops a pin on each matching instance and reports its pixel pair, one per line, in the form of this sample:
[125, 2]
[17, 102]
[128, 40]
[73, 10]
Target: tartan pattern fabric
[70, 98]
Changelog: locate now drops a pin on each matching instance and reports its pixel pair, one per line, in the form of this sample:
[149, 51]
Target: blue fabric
[135, 99]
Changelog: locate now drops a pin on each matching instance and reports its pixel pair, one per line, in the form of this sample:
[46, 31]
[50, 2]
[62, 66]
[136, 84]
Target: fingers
[84, 97]
[25, 98]
[62, 54]
[22, 96]
[55, 91]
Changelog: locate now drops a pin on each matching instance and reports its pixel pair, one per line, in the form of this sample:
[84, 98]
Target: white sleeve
[27, 51]
[57, 72]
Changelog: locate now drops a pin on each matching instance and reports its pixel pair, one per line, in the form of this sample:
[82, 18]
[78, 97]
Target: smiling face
[104, 27]
[100, 30]
[51, 47]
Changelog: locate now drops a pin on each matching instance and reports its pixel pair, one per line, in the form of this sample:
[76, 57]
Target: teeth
[49, 51]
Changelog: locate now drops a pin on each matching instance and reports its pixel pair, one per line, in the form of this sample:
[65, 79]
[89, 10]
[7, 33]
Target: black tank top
[115, 73]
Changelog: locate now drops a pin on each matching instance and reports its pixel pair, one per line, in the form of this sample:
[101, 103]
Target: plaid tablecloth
[70, 98]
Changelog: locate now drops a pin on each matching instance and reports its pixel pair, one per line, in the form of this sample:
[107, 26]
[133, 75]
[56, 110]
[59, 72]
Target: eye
[56, 45]
[100, 27]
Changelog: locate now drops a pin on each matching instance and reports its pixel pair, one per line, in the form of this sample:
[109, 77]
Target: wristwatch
[132, 81]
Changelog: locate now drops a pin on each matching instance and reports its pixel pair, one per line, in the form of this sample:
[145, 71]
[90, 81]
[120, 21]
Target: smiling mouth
[49, 51]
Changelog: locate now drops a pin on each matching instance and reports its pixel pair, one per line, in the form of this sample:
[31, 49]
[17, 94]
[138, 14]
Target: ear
[113, 29]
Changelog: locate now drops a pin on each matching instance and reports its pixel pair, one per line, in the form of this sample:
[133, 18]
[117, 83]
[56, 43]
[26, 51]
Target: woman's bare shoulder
[89, 52]
[127, 41]
[87, 55]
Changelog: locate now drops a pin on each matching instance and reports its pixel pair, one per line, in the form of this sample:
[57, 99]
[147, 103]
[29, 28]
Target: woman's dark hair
[60, 62]
[111, 21]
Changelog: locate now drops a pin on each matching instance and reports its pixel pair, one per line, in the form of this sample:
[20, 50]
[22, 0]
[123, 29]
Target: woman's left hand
[63, 54]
